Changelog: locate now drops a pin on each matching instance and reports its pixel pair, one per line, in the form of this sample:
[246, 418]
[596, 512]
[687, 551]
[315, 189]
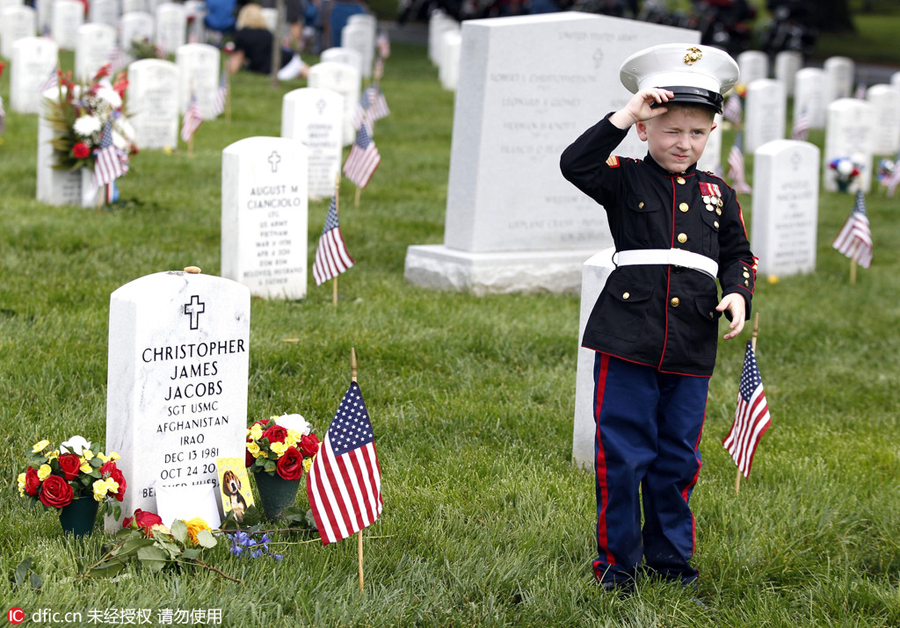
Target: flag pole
[853, 264]
[227, 92]
[359, 535]
[753, 337]
[356, 203]
[334, 284]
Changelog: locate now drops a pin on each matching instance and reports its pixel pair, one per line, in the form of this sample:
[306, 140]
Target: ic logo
[15, 615]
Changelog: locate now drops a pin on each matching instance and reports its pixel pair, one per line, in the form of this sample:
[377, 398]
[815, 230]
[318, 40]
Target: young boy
[655, 323]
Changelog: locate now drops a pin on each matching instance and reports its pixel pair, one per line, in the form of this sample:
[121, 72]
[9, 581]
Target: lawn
[486, 520]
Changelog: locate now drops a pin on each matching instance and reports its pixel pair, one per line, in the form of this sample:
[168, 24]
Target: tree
[833, 16]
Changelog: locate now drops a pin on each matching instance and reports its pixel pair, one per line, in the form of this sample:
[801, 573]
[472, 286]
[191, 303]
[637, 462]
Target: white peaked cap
[681, 65]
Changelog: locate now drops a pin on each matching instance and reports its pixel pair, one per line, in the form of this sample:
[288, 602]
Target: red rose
[70, 465]
[142, 519]
[275, 434]
[110, 470]
[80, 150]
[290, 465]
[56, 492]
[248, 457]
[32, 481]
[309, 445]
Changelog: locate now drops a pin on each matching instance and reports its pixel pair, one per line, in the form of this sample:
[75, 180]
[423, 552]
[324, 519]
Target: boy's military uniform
[655, 324]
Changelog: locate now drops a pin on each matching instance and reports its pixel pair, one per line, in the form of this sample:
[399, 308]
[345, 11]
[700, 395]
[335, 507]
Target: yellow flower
[39, 446]
[114, 456]
[158, 527]
[194, 526]
[278, 448]
[100, 489]
[307, 463]
[21, 482]
[292, 438]
[253, 448]
[86, 455]
[85, 467]
[44, 472]
[255, 432]
[53, 454]
[112, 486]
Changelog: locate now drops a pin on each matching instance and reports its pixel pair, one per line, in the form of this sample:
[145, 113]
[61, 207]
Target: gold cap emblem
[692, 56]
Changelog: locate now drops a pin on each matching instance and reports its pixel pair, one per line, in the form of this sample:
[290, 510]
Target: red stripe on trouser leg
[600, 463]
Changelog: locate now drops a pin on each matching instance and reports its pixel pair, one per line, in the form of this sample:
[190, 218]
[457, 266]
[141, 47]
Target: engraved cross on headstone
[274, 160]
[194, 309]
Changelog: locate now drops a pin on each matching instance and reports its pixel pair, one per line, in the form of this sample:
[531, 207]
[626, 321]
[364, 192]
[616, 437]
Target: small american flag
[332, 258]
[801, 127]
[2, 117]
[364, 114]
[855, 238]
[751, 418]
[860, 93]
[344, 483]
[736, 166]
[363, 159]
[117, 59]
[50, 82]
[733, 110]
[107, 164]
[192, 120]
[378, 102]
[221, 96]
[893, 180]
[383, 44]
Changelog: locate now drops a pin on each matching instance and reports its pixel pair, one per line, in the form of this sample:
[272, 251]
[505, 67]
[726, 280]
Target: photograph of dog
[231, 489]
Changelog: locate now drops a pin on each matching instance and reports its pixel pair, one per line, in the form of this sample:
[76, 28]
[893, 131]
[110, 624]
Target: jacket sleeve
[587, 159]
[737, 265]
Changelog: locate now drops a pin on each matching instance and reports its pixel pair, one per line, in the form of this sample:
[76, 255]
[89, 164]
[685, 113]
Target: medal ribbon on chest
[712, 197]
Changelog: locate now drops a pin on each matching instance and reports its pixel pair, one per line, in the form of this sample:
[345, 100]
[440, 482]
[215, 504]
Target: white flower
[119, 141]
[294, 422]
[110, 96]
[123, 126]
[86, 126]
[74, 445]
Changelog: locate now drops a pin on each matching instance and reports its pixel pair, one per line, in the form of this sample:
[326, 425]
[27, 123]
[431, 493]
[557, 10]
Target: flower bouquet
[847, 171]
[87, 118]
[78, 470]
[279, 450]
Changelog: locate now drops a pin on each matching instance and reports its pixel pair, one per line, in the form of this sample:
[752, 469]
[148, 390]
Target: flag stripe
[751, 416]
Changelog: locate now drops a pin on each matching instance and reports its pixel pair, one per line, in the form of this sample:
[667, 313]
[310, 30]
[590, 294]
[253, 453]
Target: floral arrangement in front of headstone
[78, 469]
[847, 171]
[282, 445]
[89, 124]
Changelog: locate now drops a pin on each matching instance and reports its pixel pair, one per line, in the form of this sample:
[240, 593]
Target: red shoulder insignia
[613, 162]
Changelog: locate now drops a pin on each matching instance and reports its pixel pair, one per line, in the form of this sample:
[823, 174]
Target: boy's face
[676, 139]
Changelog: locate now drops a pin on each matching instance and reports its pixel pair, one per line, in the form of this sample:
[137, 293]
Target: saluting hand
[640, 107]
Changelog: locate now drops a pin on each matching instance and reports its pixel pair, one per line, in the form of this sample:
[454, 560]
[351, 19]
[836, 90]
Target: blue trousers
[647, 450]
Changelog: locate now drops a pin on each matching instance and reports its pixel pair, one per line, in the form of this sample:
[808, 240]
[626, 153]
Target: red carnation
[70, 465]
[56, 492]
[275, 434]
[309, 445]
[290, 465]
[32, 481]
[80, 150]
[110, 470]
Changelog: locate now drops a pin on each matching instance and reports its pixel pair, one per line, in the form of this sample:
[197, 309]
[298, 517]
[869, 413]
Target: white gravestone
[134, 6]
[809, 96]
[59, 187]
[342, 54]
[315, 117]
[754, 65]
[135, 27]
[153, 105]
[438, 23]
[765, 113]
[44, 15]
[92, 50]
[16, 23]
[270, 15]
[199, 65]
[711, 160]
[104, 12]
[787, 64]
[785, 207]
[849, 132]
[67, 16]
[594, 274]
[528, 87]
[895, 80]
[195, 12]
[5, 4]
[343, 79]
[264, 216]
[886, 100]
[449, 70]
[177, 380]
[361, 38]
[33, 59]
[171, 27]
[839, 73]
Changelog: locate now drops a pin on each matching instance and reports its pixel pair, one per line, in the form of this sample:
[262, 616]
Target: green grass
[486, 521]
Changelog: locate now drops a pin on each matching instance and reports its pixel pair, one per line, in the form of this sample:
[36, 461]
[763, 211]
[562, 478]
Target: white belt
[672, 257]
